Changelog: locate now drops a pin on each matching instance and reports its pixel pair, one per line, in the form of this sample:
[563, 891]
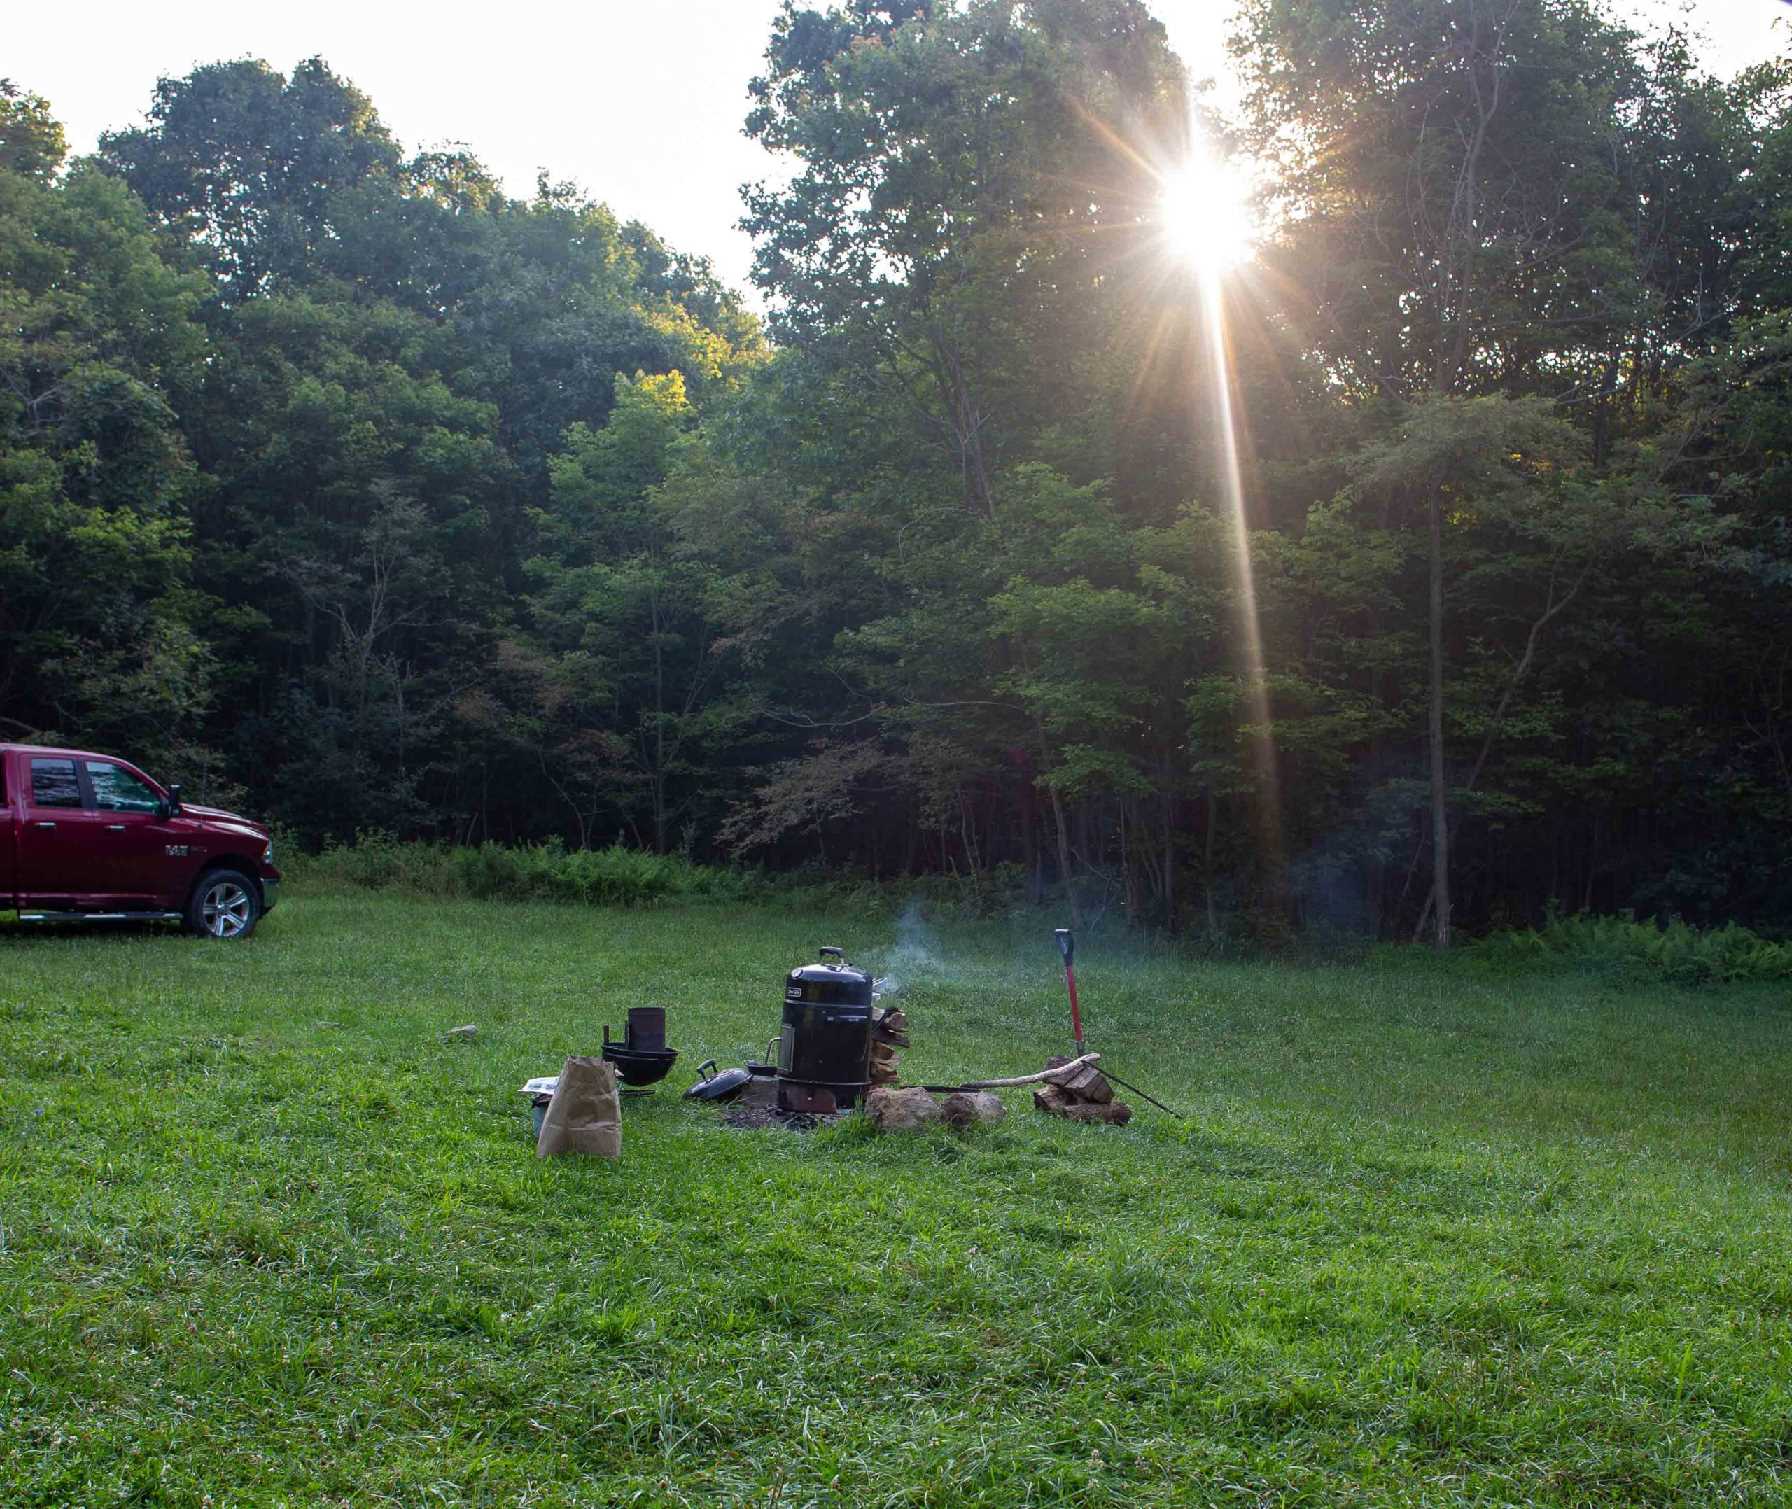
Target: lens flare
[1208, 227]
[1205, 215]
[1250, 623]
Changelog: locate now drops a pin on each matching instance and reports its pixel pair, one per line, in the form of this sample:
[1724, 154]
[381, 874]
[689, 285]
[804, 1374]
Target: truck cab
[88, 837]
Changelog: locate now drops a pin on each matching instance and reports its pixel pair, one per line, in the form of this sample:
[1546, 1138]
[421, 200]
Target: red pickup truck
[88, 837]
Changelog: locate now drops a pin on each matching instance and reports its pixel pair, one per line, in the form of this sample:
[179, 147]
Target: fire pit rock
[968, 1108]
[891, 1110]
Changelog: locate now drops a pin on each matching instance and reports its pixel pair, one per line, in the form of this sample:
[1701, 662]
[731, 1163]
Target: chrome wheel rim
[225, 909]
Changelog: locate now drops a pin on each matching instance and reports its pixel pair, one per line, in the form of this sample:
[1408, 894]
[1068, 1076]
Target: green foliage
[337, 479]
[246, 162]
[537, 872]
[97, 337]
[1628, 948]
[1438, 117]
[31, 139]
[951, 214]
[403, 366]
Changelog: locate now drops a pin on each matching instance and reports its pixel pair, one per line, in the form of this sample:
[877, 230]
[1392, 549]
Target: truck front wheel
[225, 904]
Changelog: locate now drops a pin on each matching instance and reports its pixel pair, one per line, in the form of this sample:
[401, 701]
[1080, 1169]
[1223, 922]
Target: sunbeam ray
[1225, 425]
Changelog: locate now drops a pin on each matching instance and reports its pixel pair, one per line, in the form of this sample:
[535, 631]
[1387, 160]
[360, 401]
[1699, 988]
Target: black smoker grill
[824, 1052]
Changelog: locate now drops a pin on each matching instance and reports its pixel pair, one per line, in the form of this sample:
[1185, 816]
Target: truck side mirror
[171, 802]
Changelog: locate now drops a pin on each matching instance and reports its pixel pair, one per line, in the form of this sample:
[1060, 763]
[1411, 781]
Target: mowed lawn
[1424, 1238]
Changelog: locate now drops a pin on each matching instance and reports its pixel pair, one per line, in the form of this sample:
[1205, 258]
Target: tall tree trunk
[1064, 875]
[1213, 920]
[659, 731]
[1455, 296]
[1169, 823]
[1440, 811]
[964, 420]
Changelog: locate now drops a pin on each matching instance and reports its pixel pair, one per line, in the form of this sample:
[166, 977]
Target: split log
[884, 1065]
[1076, 1090]
[1092, 1085]
[1083, 1080]
[1115, 1113]
[1055, 1100]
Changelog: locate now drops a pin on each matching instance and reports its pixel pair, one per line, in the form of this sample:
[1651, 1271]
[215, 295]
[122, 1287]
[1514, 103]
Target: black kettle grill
[824, 1052]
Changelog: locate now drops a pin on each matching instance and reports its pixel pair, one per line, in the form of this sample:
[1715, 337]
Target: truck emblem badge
[177, 851]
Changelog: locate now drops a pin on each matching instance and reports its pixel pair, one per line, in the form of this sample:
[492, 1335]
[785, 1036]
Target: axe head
[1066, 943]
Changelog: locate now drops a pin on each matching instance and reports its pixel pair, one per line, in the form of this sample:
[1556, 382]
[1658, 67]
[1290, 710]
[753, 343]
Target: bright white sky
[639, 101]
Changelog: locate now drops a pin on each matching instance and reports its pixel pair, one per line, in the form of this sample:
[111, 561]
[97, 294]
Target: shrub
[545, 872]
[1624, 946]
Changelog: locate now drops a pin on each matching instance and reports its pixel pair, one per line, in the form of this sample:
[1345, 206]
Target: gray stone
[901, 1110]
[966, 1108]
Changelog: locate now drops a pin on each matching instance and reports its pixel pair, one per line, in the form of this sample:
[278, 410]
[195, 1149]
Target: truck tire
[225, 904]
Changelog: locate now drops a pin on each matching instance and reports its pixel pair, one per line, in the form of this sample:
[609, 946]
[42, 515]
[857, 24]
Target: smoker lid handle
[838, 953]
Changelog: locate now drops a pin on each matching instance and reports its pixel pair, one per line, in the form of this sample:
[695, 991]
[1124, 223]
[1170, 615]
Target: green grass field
[1425, 1238]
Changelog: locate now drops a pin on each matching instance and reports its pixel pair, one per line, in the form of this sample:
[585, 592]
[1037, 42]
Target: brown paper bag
[585, 1115]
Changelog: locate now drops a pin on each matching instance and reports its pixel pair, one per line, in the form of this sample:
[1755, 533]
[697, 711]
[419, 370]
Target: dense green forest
[336, 483]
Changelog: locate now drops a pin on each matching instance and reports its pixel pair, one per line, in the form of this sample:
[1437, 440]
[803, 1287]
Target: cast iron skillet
[713, 1086]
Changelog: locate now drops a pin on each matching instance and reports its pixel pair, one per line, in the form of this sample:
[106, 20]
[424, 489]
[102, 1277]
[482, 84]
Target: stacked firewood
[889, 1031]
[1080, 1092]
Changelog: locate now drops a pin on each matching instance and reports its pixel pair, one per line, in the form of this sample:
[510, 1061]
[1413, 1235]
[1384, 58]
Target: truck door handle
[115, 827]
[43, 825]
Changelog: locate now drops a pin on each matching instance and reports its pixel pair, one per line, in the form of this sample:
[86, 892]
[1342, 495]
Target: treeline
[338, 483]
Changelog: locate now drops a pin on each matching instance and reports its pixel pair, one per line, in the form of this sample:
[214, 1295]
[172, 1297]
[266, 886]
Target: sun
[1204, 215]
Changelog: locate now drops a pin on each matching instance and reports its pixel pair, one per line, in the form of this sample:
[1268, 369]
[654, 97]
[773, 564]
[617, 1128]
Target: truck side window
[53, 784]
[117, 790]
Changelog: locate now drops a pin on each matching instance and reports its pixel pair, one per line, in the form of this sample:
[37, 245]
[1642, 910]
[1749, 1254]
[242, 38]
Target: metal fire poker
[1067, 947]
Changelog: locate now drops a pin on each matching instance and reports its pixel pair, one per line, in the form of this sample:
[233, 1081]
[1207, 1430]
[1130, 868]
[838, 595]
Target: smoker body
[824, 1050]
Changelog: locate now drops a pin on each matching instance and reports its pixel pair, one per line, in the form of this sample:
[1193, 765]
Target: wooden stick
[1024, 1079]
